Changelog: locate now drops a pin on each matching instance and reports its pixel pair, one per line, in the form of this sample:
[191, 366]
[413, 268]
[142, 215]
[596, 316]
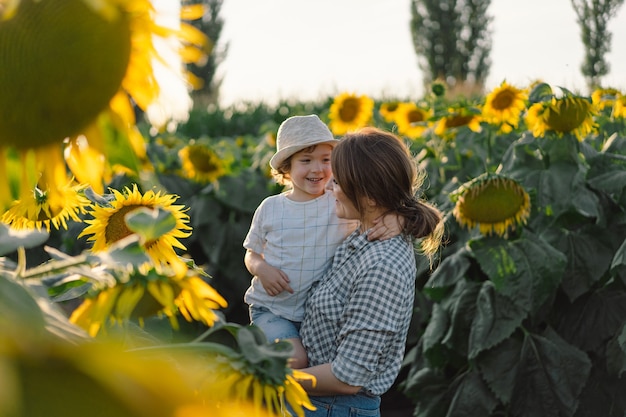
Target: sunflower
[70, 65]
[350, 112]
[388, 110]
[201, 164]
[34, 211]
[493, 202]
[146, 293]
[109, 226]
[569, 114]
[233, 382]
[619, 109]
[503, 107]
[100, 376]
[411, 119]
[603, 98]
[457, 117]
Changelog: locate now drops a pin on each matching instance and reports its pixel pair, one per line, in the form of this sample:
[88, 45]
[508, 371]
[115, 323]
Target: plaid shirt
[358, 316]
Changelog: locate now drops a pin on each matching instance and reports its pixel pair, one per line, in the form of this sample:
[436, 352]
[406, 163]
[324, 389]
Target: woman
[356, 320]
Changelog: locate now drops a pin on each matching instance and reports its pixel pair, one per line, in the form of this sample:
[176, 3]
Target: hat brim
[280, 156]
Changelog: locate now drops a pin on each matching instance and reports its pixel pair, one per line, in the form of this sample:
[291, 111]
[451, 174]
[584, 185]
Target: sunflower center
[416, 116]
[568, 114]
[503, 100]
[61, 64]
[349, 109]
[116, 228]
[201, 160]
[458, 120]
[492, 202]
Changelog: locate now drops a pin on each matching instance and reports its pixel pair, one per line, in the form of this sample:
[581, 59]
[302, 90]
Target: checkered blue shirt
[358, 316]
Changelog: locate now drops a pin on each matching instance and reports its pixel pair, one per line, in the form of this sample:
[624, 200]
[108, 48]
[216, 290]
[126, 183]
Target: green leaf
[551, 375]
[267, 359]
[125, 252]
[429, 389]
[618, 263]
[499, 367]
[436, 328]
[591, 321]
[448, 273]
[472, 397]
[588, 258]
[527, 271]
[461, 307]
[497, 317]
[563, 187]
[523, 160]
[541, 92]
[616, 353]
[11, 239]
[150, 224]
[18, 307]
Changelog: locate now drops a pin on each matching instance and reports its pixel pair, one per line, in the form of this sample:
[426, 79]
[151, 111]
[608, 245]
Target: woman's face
[343, 206]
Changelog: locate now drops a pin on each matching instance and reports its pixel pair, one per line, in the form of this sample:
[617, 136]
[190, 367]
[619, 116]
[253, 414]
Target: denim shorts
[357, 405]
[274, 327]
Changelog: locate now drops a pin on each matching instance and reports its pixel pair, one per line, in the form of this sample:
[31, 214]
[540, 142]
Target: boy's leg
[279, 328]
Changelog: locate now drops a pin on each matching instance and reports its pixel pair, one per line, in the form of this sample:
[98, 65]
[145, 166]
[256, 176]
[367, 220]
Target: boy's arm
[274, 280]
[385, 227]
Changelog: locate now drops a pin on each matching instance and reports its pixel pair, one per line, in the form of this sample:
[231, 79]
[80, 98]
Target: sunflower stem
[51, 268]
[21, 261]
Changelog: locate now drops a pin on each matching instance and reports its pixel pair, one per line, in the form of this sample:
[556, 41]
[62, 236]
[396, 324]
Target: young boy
[293, 235]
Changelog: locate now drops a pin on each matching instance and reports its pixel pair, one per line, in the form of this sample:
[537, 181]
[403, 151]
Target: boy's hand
[386, 227]
[274, 280]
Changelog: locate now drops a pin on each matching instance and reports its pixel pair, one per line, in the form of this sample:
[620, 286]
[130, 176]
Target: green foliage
[530, 324]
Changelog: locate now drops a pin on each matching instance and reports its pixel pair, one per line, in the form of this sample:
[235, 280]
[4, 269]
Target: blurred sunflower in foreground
[145, 292]
[243, 377]
[504, 106]
[350, 112]
[109, 225]
[70, 69]
[569, 114]
[492, 202]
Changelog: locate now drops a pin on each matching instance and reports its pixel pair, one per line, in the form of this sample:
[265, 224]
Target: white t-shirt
[298, 238]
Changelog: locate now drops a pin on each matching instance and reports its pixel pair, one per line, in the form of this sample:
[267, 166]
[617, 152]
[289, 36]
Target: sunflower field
[123, 217]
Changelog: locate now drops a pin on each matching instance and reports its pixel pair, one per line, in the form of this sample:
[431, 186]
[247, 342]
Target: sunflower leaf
[150, 224]
[11, 239]
[541, 92]
[497, 317]
[472, 397]
[528, 271]
[554, 375]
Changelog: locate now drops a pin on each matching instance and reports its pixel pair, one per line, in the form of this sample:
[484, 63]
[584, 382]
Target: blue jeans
[274, 327]
[357, 405]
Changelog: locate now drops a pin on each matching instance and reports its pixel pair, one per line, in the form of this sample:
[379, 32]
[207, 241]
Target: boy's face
[310, 171]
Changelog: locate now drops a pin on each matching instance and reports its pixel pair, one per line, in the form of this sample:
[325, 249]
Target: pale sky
[310, 49]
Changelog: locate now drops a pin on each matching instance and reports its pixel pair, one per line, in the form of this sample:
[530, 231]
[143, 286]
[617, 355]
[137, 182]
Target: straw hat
[300, 132]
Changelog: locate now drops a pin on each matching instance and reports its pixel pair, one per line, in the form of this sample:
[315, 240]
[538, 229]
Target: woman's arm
[326, 382]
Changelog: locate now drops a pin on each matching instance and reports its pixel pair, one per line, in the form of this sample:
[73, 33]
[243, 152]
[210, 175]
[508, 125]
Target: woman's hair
[376, 165]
